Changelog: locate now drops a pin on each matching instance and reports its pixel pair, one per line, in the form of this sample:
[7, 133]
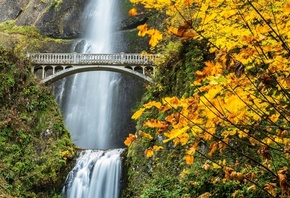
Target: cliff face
[53, 18]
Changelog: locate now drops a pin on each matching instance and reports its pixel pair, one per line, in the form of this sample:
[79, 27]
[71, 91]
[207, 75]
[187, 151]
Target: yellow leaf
[157, 148]
[138, 113]
[172, 101]
[183, 138]
[274, 117]
[152, 104]
[148, 152]
[175, 133]
[216, 166]
[155, 37]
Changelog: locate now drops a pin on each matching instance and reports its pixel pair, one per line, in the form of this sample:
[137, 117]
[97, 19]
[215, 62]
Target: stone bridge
[50, 67]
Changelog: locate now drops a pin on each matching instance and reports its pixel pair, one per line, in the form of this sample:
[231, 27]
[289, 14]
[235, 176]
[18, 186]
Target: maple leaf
[133, 12]
[152, 104]
[146, 135]
[189, 159]
[283, 180]
[188, 2]
[130, 139]
[271, 188]
[213, 148]
[138, 113]
[193, 148]
[142, 30]
[155, 36]
[155, 123]
[175, 133]
[183, 138]
[287, 7]
[149, 152]
[157, 148]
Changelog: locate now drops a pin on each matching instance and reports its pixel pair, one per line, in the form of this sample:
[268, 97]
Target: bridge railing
[98, 59]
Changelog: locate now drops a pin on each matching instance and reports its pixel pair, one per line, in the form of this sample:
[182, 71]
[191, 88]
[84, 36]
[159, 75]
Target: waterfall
[90, 104]
[89, 109]
[94, 175]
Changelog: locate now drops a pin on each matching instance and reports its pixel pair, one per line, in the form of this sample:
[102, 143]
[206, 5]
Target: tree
[239, 109]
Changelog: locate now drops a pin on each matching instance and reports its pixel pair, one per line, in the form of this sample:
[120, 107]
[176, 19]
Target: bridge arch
[79, 69]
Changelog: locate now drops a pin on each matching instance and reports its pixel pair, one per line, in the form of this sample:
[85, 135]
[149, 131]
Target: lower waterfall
[95, 175]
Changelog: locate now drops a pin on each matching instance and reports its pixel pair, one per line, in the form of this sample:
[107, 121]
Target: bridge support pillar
[43, 72]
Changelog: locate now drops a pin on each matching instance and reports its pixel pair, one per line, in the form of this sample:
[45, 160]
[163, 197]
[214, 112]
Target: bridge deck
[51, 66]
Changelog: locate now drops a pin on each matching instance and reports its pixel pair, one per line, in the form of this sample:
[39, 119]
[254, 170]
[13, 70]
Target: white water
[93, 173]
[89, 114]
[90, 105]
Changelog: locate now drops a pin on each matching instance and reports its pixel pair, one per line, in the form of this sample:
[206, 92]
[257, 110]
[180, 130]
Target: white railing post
[122, 57]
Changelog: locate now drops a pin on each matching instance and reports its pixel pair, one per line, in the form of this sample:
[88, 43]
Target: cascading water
[94, 175]
[89, 114]
[93, 96]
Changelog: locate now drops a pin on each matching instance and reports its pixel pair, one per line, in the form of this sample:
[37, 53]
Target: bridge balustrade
[107, 59]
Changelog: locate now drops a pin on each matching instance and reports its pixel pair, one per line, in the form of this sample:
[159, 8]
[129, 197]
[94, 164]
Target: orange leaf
[146, 135]
[193, 148]
[271, 188]
[189, 159]
[213, 148]
[287, 7]
[133, 12]
[142, 30]
[188, 2]
[161, 125]
[283, 180]
[130, 139]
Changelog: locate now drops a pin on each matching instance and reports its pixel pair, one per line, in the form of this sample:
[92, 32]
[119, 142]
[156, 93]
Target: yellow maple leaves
[240, 95]
[154, 35]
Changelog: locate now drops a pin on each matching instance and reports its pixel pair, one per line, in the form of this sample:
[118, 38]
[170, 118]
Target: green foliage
[10, 27]
[36, 149]
[175, 75]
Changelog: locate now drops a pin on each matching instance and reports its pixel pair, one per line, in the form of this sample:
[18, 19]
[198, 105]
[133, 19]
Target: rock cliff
[53, 18]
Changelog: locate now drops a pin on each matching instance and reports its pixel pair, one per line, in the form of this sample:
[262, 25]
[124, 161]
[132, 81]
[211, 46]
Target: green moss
[10, 27]
[37, 151]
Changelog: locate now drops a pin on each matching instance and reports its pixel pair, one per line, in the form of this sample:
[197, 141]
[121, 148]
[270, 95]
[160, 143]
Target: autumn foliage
[240, 106]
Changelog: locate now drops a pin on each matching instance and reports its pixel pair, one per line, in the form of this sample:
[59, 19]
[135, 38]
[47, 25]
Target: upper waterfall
[93, 96]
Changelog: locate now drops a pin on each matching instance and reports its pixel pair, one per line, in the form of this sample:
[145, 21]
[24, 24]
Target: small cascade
[95, 175]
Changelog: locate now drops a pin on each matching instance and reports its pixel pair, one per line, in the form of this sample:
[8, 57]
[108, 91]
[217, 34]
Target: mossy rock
[36, 149]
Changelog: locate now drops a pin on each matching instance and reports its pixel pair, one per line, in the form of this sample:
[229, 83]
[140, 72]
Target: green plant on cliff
[36, 150]
[26, 39]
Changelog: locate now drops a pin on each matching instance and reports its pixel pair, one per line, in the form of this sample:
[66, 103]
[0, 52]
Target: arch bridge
[50, 67]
